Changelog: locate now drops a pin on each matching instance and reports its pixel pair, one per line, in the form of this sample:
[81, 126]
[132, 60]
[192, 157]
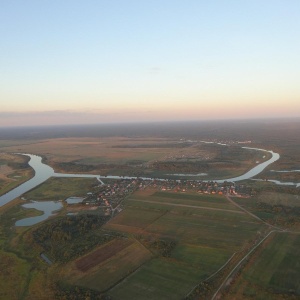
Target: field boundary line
[133, 271]
[156, 219]
[220, 269]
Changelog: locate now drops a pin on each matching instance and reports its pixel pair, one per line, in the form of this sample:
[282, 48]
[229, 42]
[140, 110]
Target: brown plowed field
[102, 254]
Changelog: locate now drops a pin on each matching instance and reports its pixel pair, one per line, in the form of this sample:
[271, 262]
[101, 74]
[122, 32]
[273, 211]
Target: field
[202, 239]
[272, 273]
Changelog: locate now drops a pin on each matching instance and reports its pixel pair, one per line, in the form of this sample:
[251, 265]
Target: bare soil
[100, 255]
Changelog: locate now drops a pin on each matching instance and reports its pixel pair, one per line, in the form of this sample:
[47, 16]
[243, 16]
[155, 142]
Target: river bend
[44, 172]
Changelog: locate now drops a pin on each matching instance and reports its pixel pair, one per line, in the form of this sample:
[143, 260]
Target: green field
[273, 272]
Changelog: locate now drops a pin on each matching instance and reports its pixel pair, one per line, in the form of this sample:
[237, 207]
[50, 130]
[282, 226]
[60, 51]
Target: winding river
[257, 169]
[44, 172]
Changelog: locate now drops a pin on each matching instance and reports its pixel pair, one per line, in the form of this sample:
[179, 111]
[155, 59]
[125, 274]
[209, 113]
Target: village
[108, 197]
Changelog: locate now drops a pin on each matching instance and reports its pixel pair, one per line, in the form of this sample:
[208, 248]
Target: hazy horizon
[155, 122]
[76, 62]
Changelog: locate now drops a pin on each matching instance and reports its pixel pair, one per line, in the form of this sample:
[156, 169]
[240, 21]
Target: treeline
[63, 292]
[71, 236]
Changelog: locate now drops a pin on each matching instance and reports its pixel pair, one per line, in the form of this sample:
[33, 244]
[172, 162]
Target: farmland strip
[191, 206]
[102, 254]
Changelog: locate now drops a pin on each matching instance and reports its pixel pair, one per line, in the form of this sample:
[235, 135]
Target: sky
[82, 62]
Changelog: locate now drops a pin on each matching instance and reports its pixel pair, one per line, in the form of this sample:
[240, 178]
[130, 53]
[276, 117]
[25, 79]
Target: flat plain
[160, 244]
[154, 157]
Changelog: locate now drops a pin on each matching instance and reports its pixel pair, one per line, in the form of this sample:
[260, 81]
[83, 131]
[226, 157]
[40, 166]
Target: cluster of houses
[203, 187]
[108, 196]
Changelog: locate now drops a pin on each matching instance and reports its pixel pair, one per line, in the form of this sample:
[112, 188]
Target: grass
[273, 272]
[61, 188]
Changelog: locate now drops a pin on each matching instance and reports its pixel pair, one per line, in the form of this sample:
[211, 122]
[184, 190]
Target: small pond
[48, 207]
[74, 200]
